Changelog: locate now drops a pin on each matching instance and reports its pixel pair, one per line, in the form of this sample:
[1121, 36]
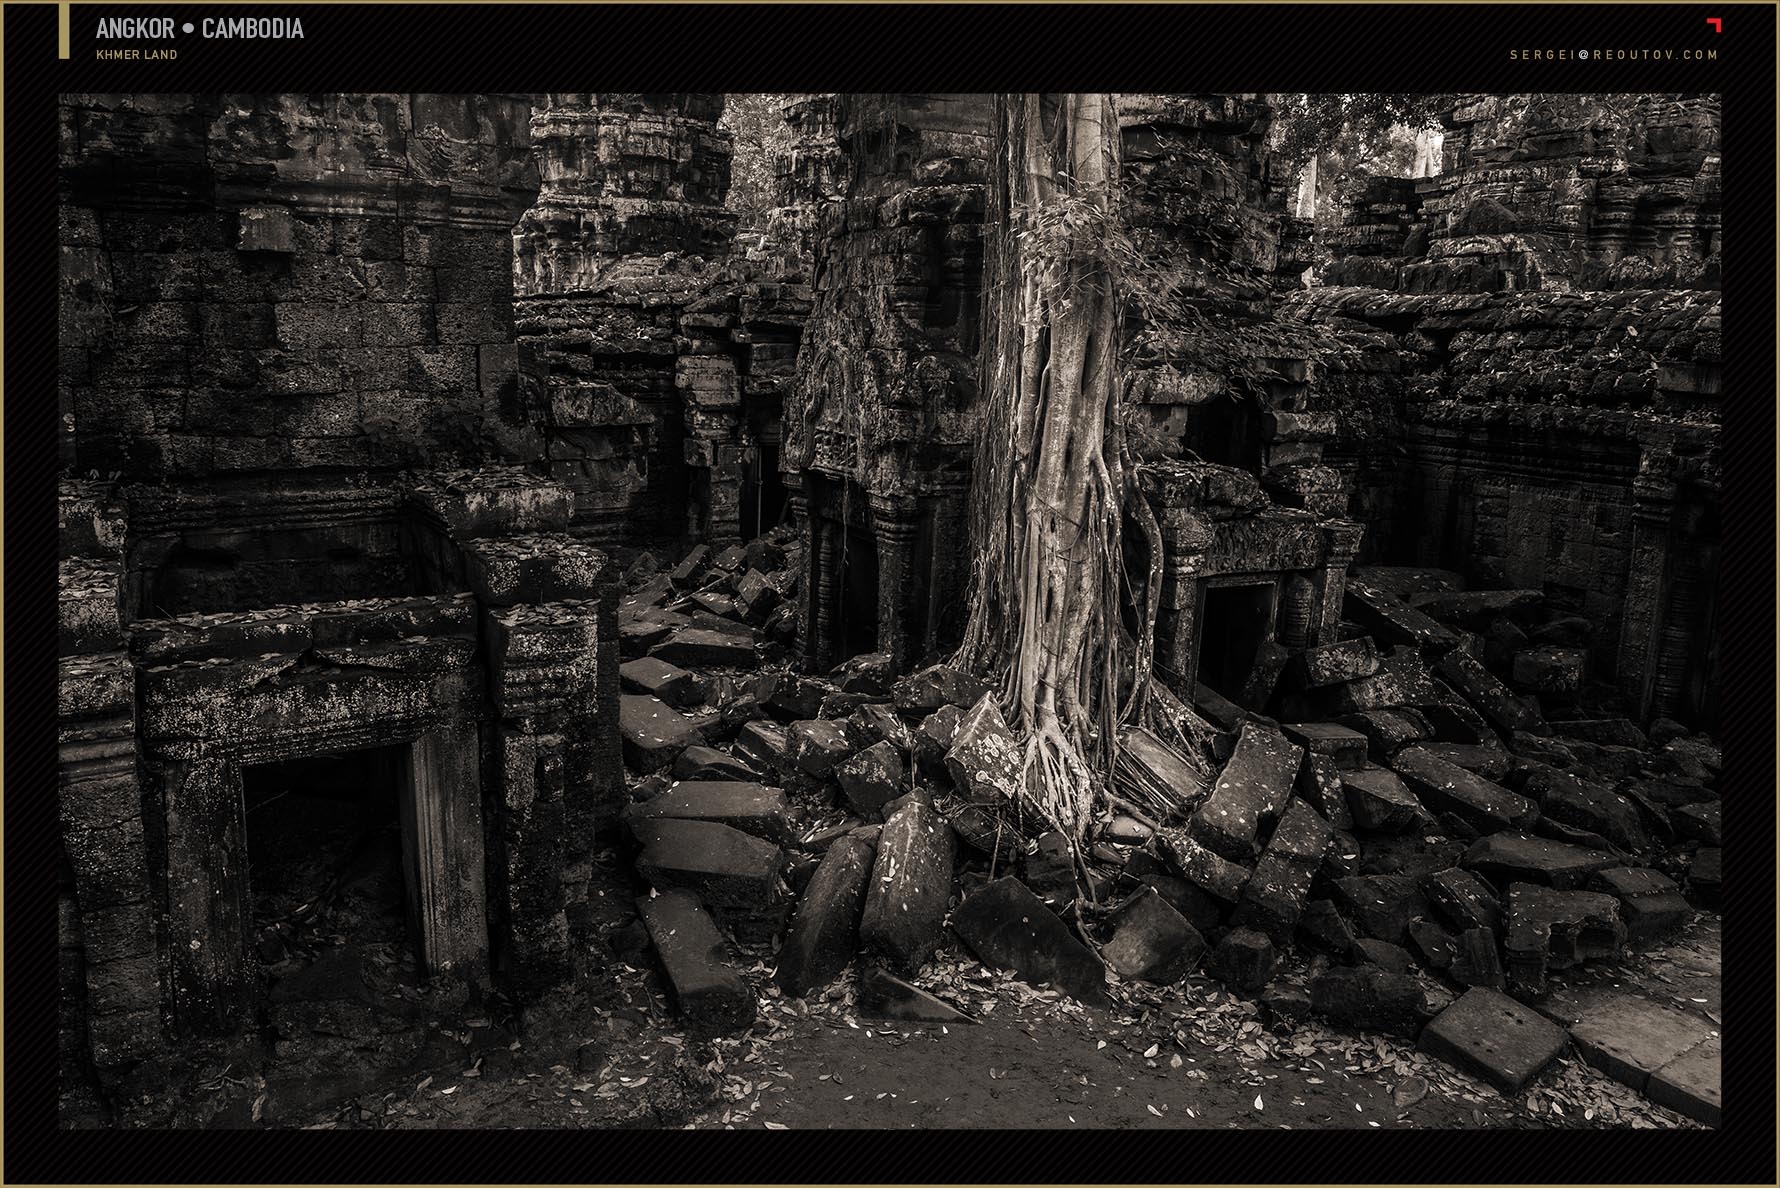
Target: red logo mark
[1717, 24]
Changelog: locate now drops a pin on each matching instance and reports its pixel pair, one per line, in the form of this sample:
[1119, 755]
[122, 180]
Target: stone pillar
[1646, 592]
[713, 446]
[896, 525]
[824, 636]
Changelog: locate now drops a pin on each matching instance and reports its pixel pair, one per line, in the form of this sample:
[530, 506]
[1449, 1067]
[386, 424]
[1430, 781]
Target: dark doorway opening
[332, 917]
[1226, 430]
[858, 627]
[1234, 621]
[764, 498]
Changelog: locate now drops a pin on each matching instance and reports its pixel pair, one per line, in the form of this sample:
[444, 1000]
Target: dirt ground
[613, 1052]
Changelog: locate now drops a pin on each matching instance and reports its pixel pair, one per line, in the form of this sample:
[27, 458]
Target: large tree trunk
[1049, 477]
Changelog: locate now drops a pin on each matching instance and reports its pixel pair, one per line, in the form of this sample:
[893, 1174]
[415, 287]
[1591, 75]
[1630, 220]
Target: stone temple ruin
[454, 492]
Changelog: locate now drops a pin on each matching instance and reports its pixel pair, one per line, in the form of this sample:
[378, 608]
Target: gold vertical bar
[62, 37]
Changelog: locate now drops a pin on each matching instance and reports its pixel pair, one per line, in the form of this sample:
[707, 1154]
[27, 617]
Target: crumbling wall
[628, 229]
[288, 283]
[878, 431]
[314, 527]
[1524, 354]
[1548, 192]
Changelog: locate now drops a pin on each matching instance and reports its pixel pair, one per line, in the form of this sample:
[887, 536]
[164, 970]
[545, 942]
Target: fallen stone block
[1323, 926]
[1380, 802]
[645, 597]
[1690, 1083]
[1494, 700]
[1153, 942]
[818, 746]
[933, 737]
[1510, 857]
[1008, 927]
[707, 763]
[1604, 732]
[1345, 746]
[1486, 806]
[1489, 760]
[1381, 906]
[1149, 771]
[1701, 822]
[1209, 872]
[940, 684]
[1464, 899]
[1333, 664]
[636, 637]
[1628, 1036]
[1383, 954]
[1492, 1037]
[750, 807]
[883, 995]
[1243, 960]
[824, 930]
[700, 647]
[736, 874]
[1551, 671]
[1393, 621]
[1219, 710]
[1368, 997]
[984, 761]
[656, 677]
[708, 988]
[758, 596]
[1319, 782]
[691, 567]
[873, 778]
[1274, 895]
[1253, 788]
[1477, 960]
[1550, 930]
[1387, 730]
[1285, 1004]
[911, 882]
[1472, 608]
[1583, 804]
[765, 745]
[1263, 676]
[1650, 903]
[1433, 945]
[653, 734]
[879, 723]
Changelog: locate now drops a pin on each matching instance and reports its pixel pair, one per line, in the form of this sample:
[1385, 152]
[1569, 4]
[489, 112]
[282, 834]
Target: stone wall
[288, 283]
[628, 229]
[1548, 192]
[878, 431]
[1524, 357]
[315, 526]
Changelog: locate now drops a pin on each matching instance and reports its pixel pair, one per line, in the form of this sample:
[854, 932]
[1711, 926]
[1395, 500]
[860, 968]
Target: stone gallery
[524, 609]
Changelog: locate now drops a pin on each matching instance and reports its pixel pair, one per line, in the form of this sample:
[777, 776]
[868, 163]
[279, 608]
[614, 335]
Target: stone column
[1646, 591]
[896, 525]
[823, 642]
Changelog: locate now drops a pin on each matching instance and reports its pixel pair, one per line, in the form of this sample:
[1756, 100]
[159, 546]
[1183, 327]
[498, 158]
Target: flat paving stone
[1689, 1084]
[1491, 1036]
[1627, 1035]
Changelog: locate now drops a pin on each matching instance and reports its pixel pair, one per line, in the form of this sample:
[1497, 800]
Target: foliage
[757, 121]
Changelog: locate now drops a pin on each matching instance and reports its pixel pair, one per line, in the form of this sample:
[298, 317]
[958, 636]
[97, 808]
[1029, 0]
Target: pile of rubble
[1407, 830]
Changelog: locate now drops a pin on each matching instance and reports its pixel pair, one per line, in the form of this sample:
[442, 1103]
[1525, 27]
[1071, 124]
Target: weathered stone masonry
[1526, 371]
[316, 525]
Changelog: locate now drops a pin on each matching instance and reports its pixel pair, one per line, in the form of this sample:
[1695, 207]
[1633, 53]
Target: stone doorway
[326, 867]
[1235, 619]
